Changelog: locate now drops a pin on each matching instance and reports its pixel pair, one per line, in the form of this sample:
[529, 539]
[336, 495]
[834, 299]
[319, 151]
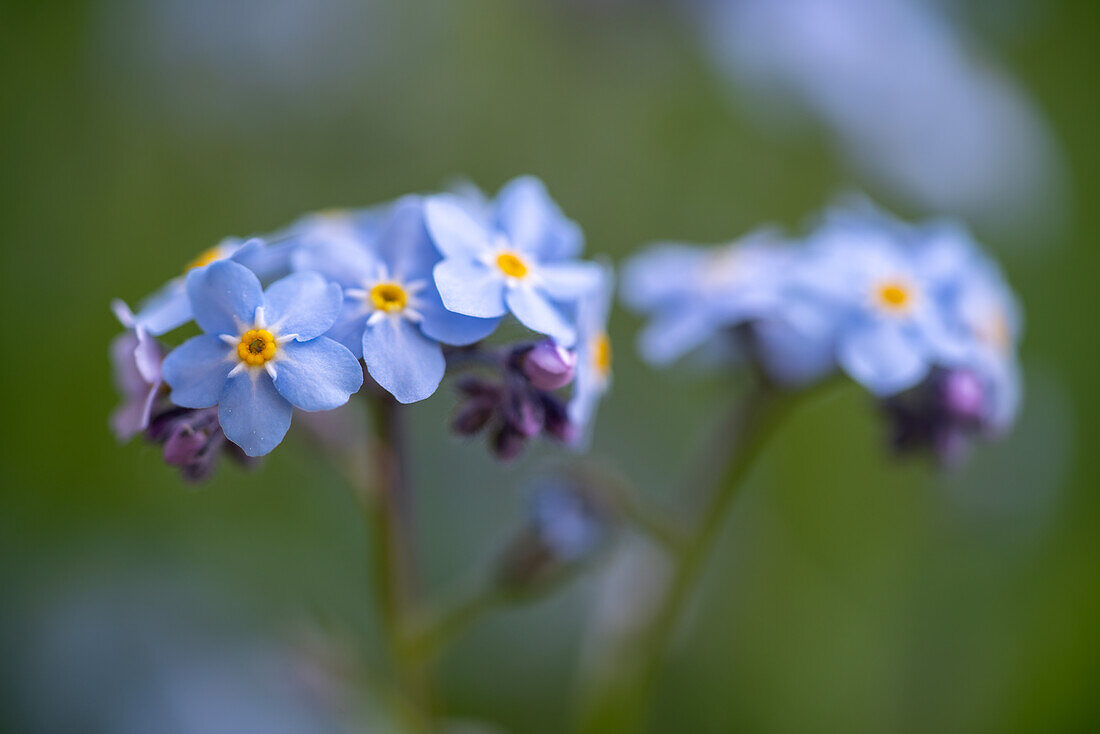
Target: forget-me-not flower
[592, 375]
[885, 306]
[392, 315]
[169, 308]
[983, 310]
[693, 293]
[262, 353]
[518, 256]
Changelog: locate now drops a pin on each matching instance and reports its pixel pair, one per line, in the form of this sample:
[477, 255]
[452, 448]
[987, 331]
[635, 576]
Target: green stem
[619, 700]
[389, 509]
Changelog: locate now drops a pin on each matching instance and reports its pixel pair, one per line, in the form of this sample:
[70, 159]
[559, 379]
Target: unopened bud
[548, 366]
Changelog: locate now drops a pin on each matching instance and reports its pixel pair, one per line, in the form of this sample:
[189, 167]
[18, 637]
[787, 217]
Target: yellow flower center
[894, 296]
[205, 258]
[511, 265]
[601, 353]
[257, 347]
[389, 297]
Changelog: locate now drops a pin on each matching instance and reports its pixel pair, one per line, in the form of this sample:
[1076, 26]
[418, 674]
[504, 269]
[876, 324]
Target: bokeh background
[851, 591]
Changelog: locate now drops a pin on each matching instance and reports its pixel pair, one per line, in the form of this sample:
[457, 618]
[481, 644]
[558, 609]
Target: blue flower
[169, 308]
[392, 316]
[262, 353]
[695, 293]
[592, 375]
[567, 520]
[982, 309]
[518, 256]
[866, 277]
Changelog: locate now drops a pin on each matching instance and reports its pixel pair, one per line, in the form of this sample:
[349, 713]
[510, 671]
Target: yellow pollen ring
[511, 265]
[601, 353]
[257, 347]
[389, 297]
[894, 296]
[205, 258]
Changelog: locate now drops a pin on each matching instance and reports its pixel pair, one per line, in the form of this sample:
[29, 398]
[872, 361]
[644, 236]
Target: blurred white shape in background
[909, 103]
[155, 656]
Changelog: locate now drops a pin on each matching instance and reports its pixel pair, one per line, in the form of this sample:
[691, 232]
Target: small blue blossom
[985, 314]
[169, 308]
[695, 293]
[518, 256]
[884, 304]
[262, 353]
[392, 315]
[592, 376]
[567, 520]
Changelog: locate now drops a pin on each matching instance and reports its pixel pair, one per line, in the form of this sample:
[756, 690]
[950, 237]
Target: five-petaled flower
[262, 353]
[392, 316]
[593, 370]
[517, 255]
[169, 308]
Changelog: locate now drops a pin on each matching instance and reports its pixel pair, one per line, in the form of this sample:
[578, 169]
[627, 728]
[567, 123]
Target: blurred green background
[850, 592]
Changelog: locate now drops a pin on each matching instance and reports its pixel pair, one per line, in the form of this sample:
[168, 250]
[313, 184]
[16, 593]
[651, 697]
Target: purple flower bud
[522, 409]
[556, 421]
[473, 415]
[963, 395]
[548, 366]
[506, 444]
[193, 440]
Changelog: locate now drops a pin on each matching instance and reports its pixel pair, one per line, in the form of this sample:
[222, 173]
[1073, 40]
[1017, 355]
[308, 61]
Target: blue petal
[318, 374]
[672, 335]
[883, 358]
[450, 327]
[165, 310]
[252, 413]
[570, 280]
[534, 223]
[402, 360]
[404, 243]
[468, 287]
[791, 356]
[661, 274]
[349, 326]
[348, 263]
[224, 296]
[196, 371]
[304, 304]
[454, 232]
[537, 313]
[265, 260]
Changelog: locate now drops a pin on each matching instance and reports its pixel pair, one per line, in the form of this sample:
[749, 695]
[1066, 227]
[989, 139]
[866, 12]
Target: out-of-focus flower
[192, 440]
[392, 315]
[907, 102]
[982, 307]
[889, 321]
[566, 524]
[917, 315]
[135, 360]
[694, 293]
[519, 257]
[593, 372]
[262, 353]
[169, 308]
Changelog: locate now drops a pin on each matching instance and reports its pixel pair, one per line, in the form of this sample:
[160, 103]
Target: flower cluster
[916, 314]
[393, 294]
